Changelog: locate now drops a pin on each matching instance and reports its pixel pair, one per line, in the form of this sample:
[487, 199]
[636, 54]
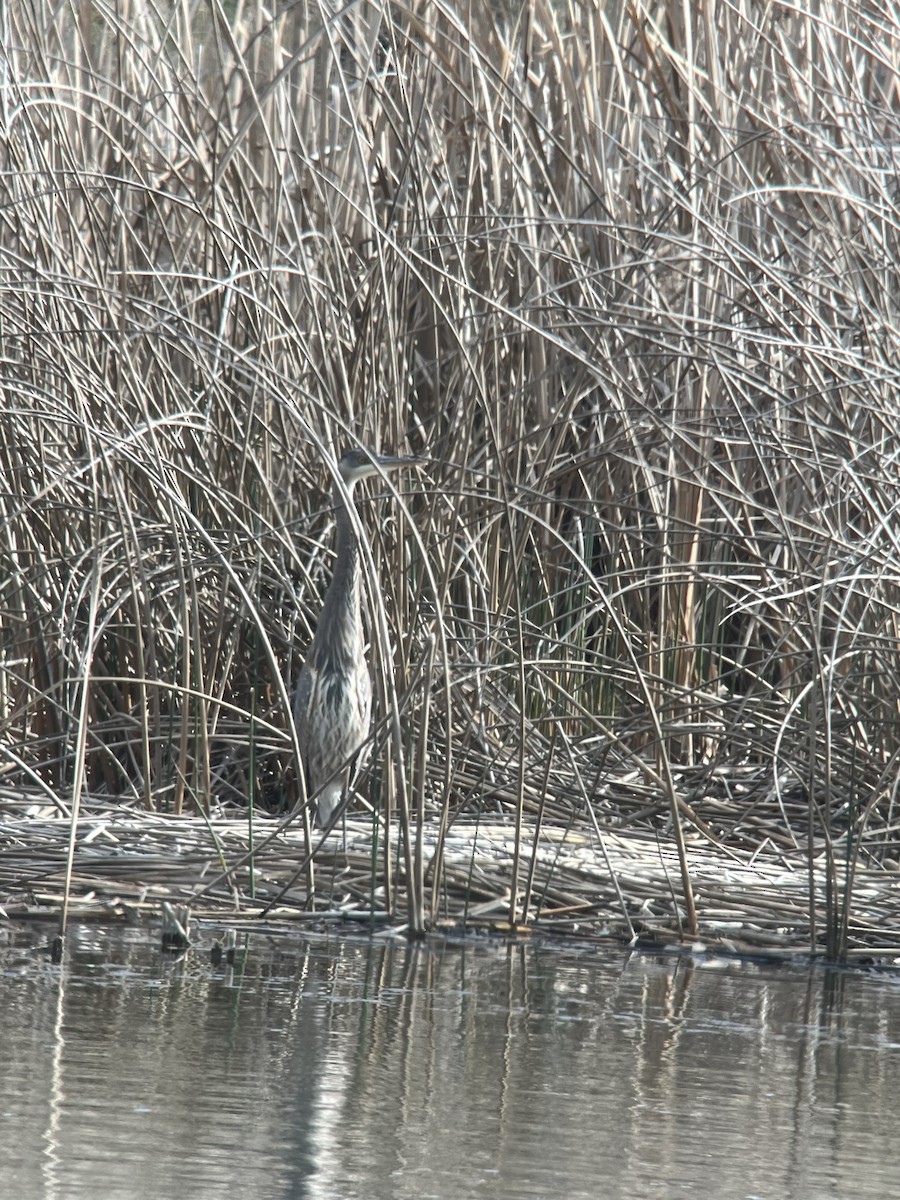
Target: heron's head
[359, 464]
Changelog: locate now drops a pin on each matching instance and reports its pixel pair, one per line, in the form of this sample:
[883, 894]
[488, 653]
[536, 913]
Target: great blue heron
[334, 693]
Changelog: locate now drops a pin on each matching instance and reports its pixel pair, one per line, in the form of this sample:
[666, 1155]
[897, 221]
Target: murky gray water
[352, 1069]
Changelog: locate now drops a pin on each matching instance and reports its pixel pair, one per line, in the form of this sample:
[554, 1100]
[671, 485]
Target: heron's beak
[389, 462]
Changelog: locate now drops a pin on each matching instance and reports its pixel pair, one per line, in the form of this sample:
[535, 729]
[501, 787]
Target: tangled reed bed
[620, 884]
[625, 273]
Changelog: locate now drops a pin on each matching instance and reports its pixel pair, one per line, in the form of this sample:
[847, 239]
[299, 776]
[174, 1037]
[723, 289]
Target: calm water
[355, 1069]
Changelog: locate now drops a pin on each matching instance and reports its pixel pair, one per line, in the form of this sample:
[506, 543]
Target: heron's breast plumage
[333, 702]
[332, 716]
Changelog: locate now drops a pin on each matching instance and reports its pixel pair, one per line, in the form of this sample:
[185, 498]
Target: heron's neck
[342, 598]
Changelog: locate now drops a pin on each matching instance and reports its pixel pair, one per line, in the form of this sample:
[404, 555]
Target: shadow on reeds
[629, 281]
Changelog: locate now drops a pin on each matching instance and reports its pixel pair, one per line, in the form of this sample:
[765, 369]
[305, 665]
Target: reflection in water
[357, 1069]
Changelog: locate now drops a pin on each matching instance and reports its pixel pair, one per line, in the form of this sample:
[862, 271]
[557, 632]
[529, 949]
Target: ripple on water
[350, 1068]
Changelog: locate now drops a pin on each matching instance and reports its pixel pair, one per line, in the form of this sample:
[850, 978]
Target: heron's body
[333, 702]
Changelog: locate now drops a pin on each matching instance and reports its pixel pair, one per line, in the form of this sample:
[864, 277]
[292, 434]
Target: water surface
[329, 1067]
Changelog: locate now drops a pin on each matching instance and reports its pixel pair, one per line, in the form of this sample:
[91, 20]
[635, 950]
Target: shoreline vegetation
[626, 275]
